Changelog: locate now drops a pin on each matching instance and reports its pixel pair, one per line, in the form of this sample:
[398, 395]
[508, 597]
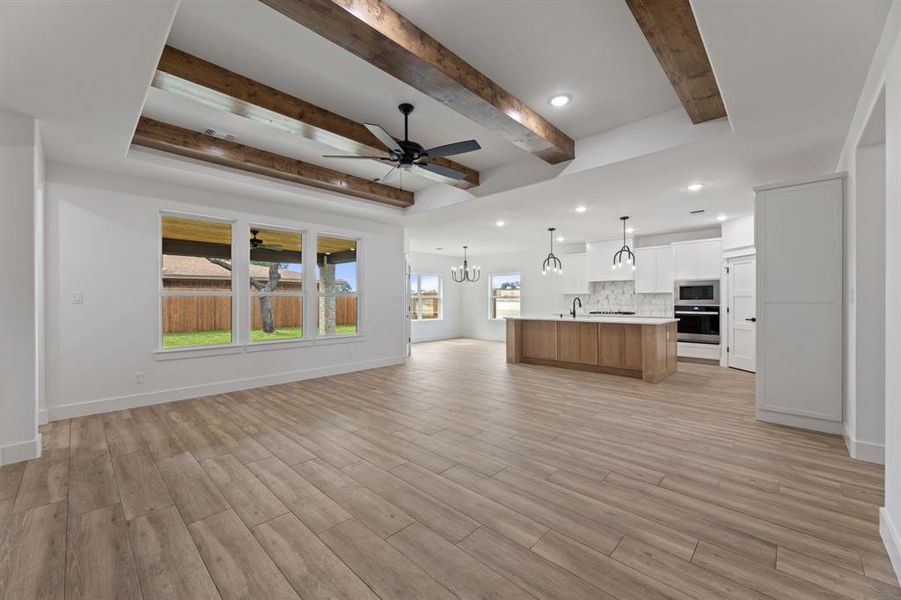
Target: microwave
[699, 292]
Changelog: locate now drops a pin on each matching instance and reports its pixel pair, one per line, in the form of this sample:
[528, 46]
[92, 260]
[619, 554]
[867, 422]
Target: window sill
[278, 345]
[196, 352]
[201, 352]
[338, 339]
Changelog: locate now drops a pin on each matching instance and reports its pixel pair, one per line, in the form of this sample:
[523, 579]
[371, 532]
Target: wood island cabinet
[635, 349]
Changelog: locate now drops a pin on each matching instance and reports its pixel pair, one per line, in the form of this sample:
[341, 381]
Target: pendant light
[464, 272]
[624, 256]
[551, 263]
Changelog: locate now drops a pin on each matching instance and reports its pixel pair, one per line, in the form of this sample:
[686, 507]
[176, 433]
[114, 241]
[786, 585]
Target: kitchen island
[642, 347]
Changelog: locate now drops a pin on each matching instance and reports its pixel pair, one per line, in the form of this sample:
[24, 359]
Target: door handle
[751, 319]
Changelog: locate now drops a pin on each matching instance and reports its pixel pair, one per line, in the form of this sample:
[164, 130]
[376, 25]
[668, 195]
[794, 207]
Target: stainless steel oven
[700, 292]
[698, 323]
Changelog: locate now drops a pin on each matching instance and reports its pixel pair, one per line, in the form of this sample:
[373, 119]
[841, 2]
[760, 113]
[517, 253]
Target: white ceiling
[592, 50]
[790, 74]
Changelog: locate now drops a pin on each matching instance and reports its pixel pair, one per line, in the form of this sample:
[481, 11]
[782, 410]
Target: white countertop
[622, 320]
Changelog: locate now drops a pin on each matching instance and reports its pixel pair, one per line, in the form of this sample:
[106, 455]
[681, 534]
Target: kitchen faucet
[573, 311]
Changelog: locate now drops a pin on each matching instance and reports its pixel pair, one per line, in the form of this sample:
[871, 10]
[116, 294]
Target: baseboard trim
[865, 451]
[801, 422]
[43, 417]
[891, 539]
[22, 451]
[436, 338]
[92, 407]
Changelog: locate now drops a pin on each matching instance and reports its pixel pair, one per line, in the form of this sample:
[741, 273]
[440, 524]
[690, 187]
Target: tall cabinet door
[799, 304]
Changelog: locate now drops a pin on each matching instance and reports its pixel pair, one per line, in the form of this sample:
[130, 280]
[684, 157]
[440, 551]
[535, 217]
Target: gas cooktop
[611, 312]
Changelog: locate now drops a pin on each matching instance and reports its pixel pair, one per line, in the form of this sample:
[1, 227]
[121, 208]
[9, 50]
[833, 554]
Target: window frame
[418, 295]
[491, 297]
[358, 245]
[162, 293]
[302, 294]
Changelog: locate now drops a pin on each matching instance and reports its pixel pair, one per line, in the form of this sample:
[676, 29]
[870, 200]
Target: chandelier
[624, 255]
[464, 272]
[551, 263]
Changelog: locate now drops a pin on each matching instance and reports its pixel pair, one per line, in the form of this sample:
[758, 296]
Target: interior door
[408, 270]
[742, 314]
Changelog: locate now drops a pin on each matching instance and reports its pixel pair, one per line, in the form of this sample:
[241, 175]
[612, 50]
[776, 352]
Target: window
[196, 282]
[276, 284]
[504, 296]
[337, 285]
[425, 297]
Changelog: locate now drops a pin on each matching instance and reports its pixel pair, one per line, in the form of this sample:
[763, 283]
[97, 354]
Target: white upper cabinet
[575, 274]
[654, 272]
[698, 260]
[600, 261]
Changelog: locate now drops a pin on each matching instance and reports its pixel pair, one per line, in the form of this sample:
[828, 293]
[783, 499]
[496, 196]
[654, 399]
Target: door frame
[725, 294]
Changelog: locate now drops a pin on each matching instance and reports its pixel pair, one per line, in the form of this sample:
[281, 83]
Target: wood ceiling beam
[672, 32]
[184, 142]
[378, 34]
[187, 75]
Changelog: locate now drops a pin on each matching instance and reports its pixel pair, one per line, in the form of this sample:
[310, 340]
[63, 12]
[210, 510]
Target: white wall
[540, 293]
[21, 168]
[738, 233]
[885, 74]
[662, 239]
[868, 433]
[451, 323]
[102, 241]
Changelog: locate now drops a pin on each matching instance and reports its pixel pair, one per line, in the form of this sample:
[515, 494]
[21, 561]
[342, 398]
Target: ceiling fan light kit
[464, 273]
[624, 256]
[551, 263]
[408, 155]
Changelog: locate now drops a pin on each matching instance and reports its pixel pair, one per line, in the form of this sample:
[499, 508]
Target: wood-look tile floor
[454, 476]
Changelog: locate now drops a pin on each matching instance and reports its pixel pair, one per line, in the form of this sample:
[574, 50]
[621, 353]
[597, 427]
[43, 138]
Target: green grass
[209, 338]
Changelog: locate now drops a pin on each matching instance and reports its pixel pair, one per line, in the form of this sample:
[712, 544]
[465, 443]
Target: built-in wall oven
[697, 306]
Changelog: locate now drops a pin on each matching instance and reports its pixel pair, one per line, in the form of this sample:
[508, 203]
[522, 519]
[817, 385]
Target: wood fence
[209, 313]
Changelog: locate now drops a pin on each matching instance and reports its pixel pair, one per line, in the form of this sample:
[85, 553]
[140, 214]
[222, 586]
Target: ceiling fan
[408, 155]
[256, 242]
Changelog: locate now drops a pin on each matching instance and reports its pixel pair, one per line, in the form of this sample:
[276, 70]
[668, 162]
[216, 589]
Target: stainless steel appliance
[701, 292]
[698, 323]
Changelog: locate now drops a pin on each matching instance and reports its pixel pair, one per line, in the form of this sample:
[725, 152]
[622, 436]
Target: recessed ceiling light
[630, 230]
[560, 238]
[500, 222]
[560, 100]
[581, 209]
[721, 218]
[694, 187]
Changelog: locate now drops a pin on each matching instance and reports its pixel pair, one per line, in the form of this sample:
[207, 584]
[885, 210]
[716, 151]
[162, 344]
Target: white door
[742, 313]
[408, 270]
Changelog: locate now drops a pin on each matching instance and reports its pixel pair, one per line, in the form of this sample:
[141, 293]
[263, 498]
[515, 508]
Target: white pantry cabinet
[654, 272]
[575, 274]
[700, 259]
[600, 261]
[798, 236]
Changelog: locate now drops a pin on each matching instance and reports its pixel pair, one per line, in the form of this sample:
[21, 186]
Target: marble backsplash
[620, 295]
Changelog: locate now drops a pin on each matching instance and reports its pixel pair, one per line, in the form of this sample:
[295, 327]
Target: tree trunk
[266, 314]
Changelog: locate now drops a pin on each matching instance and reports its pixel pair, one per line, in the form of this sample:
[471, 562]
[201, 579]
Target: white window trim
[358, 243]
[187, 351]
[418, 294]
[491, 277]
[302, 294]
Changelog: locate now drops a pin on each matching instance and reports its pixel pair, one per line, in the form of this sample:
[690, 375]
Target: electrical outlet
[78, 298]
[139, 377]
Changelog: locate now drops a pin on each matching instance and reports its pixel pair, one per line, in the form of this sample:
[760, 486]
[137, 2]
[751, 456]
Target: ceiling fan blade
[355, 156]
[442, 170]
[384, 137]
[451, 149]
